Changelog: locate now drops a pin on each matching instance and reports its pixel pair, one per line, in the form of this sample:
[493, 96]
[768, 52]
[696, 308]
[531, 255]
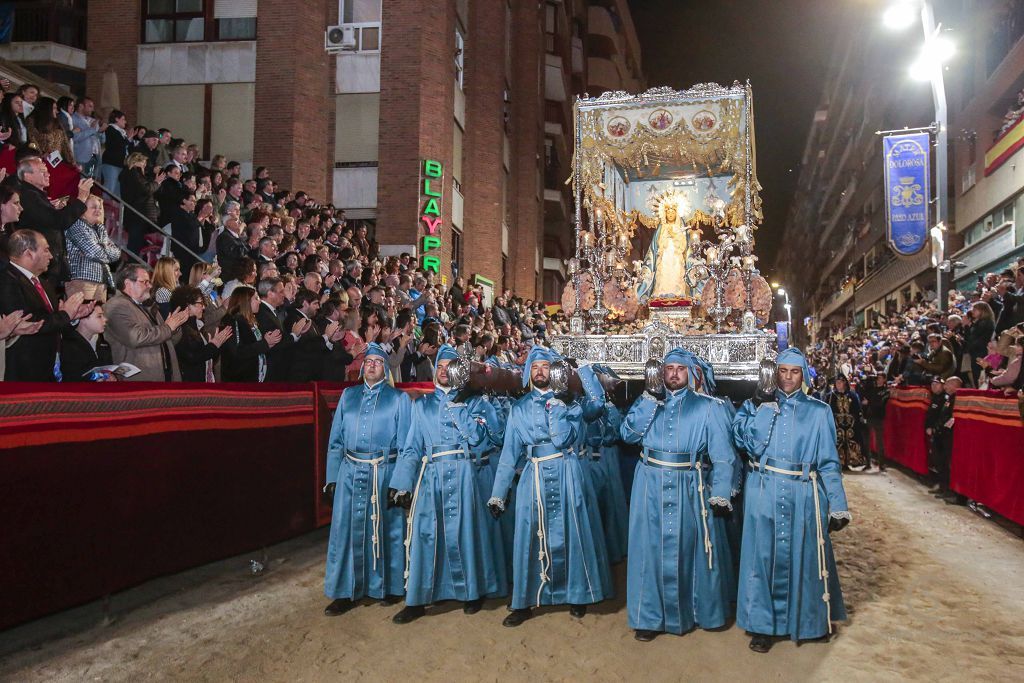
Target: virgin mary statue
[665, 263]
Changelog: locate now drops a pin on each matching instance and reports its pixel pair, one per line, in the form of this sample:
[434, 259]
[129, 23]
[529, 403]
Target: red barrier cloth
[39, 414]
[988, 451]
[106, 486]
[903, 428]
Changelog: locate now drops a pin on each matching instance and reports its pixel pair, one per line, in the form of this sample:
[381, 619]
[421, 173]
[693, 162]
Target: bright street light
[782, 291]
[899, 16]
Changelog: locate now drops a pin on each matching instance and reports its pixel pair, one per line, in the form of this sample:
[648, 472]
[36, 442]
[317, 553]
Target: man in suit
[271, 291]
[39, 214]
[186, 231]
[318, 347]
[34, 358]
[231, 246]
[137, 333]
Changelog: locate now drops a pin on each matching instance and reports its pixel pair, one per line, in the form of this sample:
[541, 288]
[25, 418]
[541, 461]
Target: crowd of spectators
[256, 282]
[977, 342]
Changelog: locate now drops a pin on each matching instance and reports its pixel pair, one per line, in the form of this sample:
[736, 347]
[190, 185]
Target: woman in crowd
[12, 120]
[978, 335]
[83, 348]
[206, 277]
[45, 131]
[1011, 376]
[10, 212]
[196, 351]
[207, 218]
[245, 274]
[244, 354]
[137, 191]
[166, 276]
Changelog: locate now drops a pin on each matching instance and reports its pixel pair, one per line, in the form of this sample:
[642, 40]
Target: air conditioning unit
[340, 39]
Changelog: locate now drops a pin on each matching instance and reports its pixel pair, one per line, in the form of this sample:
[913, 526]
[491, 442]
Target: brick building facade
[483, 87]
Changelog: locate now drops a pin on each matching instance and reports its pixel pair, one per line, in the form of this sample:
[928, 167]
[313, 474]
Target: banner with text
[907, 191]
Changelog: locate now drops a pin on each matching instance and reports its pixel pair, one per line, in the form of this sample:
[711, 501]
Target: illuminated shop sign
[431, 196]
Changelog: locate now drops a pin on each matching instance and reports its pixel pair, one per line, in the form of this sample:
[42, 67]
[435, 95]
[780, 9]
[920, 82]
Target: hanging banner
[906, 191]
[782, 335]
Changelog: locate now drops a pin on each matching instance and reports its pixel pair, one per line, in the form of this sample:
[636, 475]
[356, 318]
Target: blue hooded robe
[680, 568]
[450, 532]
[559, 555]
[788, 583]
[599, 453]
[366, 549]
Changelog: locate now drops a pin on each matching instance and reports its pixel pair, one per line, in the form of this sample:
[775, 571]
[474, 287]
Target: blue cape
[793, 356]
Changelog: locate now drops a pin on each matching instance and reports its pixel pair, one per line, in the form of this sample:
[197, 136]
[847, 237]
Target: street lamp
[928, 66]
[789, 313]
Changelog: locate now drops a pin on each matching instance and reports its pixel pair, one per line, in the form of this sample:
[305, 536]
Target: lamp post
[929, 67]
[789, 314]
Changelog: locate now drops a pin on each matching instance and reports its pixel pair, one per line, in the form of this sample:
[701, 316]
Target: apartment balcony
[603, 74]
[555, 82]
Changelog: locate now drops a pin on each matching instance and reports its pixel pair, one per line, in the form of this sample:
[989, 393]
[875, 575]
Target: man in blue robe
[792, 498]
[449, 536]
[559, 555]
[598, 449]
[705, 384]
[366, 550]
[680, 566]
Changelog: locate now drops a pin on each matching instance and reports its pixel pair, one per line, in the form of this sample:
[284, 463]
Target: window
[174, 21]
[456, 253]
[235, 19]
[359, 11]
[460, 58]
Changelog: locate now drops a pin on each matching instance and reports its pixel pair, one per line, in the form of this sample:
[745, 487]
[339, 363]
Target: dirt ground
[933, 591]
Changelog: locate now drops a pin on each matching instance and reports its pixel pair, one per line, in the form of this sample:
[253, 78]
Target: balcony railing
[46, 24]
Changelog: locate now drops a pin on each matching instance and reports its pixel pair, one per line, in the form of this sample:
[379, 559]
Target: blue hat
[445, 352]
[538, 352]
[375, 349]
[793, 356]
[687, 359]
[708, 373]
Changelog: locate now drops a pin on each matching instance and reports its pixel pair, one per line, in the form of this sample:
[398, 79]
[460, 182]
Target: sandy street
[933, 591]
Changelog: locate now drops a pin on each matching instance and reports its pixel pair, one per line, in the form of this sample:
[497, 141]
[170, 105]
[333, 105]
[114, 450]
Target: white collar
[26, 273]
[272, 309]
[118, 128]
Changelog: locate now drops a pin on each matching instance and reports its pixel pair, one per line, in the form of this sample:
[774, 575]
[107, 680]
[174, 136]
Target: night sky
[782, 46]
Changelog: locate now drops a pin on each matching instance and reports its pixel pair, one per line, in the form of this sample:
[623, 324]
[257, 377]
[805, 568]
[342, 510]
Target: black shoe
[577, 611]
[409, 614]
[517, 617]
[391, 600]
[472, 606]
[645, 636]
[339, 607]
[760, 643]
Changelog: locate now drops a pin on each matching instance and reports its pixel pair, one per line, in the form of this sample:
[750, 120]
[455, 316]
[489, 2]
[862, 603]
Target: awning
[891, 277]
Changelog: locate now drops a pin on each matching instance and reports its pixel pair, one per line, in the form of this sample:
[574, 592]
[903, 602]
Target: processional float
[666, 207]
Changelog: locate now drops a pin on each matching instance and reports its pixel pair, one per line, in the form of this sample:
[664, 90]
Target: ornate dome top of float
[667, 204]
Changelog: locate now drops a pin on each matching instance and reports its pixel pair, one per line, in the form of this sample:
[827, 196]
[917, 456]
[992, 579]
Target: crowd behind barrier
[898, 391]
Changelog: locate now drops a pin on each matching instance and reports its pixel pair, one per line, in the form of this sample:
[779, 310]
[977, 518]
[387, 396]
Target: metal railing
[122, 205]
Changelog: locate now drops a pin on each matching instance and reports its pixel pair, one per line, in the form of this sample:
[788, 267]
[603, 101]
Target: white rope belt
[443, 453]
[822, 554]
[542, 532]
[700, 494]
[375, 512]
[412, 506]
[412, 514]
